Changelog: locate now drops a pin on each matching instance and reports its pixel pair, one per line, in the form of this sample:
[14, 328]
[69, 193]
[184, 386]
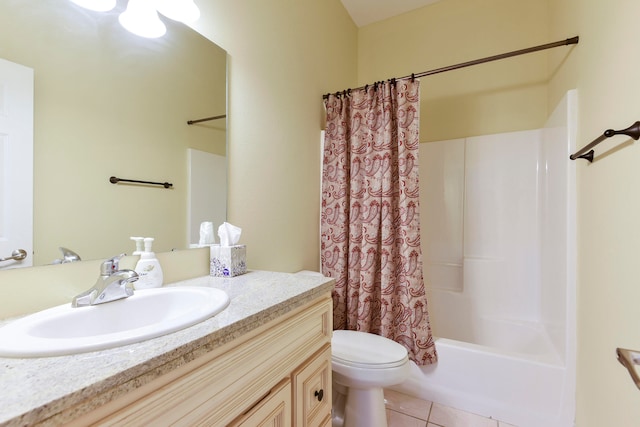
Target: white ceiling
[365, 12]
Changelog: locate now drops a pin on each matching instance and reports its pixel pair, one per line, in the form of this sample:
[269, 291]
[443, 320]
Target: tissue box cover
[228, 261]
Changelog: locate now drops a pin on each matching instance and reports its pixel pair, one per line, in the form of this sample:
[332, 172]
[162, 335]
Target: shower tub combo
[498, 239]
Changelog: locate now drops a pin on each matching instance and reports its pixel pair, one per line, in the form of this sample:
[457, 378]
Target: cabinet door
[273, 410]
[312, 390]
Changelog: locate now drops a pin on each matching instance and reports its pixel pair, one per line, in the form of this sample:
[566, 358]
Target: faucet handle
[110, 266]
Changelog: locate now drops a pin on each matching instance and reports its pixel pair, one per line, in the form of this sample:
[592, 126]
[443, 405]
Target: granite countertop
[37, 390]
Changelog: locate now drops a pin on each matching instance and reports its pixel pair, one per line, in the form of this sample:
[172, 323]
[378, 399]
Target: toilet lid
[354, 348]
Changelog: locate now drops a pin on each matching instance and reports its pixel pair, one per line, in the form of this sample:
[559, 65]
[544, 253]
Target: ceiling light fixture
[141, 16]
[141, 19]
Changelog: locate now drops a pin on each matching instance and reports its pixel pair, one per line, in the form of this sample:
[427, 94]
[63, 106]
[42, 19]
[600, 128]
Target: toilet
[363, 364]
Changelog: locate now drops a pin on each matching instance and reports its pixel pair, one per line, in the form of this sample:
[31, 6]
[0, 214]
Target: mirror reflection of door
[207, 196]
[16, 164]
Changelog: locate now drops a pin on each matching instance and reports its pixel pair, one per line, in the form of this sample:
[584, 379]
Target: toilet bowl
[363, 364]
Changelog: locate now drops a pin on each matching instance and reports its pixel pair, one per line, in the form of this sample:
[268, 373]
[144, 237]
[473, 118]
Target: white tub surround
[55, 390]
[498, 227]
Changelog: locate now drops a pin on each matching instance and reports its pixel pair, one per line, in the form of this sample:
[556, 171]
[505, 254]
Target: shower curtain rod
[572, 40]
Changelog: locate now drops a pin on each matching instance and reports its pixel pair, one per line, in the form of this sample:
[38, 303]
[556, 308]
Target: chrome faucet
[67, 256]
[113, 284]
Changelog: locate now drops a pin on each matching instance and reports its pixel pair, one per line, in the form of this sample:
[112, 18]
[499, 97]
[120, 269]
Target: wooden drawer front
[215, 392]
[274, 410]
[312, 390]
[327, 422]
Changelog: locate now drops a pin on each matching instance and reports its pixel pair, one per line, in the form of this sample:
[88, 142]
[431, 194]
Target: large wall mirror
[109, 103]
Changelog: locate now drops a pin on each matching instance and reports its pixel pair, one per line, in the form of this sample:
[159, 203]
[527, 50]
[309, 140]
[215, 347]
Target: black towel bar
[206, 119]
[115, 180]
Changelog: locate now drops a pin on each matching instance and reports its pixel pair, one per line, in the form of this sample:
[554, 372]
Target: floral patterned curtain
[370, 215]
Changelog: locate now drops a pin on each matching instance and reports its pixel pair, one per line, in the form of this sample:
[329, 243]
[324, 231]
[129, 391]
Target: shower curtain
[370, 215]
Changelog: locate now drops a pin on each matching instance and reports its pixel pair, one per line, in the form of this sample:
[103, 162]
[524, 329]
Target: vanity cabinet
[305, 398]
[312, 388]
[279, 371]
[273, 410]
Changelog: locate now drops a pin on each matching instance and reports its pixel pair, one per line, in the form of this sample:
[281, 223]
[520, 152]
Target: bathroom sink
[149, 313]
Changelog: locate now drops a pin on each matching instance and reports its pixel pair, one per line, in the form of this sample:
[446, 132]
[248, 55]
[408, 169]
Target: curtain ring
[413, 77]
[349, 92]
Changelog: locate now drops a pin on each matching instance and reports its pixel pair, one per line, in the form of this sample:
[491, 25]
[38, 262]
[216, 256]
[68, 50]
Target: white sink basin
[149, 313]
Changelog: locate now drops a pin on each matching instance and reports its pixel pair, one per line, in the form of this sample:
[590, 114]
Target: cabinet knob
[319, 394]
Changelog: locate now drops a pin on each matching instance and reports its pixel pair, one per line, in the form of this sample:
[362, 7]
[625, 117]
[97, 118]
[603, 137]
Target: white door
[16, 164]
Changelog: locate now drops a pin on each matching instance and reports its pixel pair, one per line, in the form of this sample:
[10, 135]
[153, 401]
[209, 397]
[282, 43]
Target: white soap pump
[139, 245]
[148, 268]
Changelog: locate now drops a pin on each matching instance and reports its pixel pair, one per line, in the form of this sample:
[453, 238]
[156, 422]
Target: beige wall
[283, 56]
[501, 96]
[280, 65]
[605, 70]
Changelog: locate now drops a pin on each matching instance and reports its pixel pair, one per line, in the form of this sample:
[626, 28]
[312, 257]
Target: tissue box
[228, 261]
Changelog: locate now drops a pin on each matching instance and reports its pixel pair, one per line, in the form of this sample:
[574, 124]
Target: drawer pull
[319, 394]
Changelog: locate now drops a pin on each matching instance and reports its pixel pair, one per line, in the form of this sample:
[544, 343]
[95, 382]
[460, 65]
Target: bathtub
[508, 369]
[526, 390]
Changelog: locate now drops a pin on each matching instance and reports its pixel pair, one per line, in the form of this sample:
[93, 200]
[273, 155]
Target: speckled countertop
[38, 390]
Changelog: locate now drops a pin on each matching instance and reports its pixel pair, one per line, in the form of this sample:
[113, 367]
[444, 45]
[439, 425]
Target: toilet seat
[366, 351]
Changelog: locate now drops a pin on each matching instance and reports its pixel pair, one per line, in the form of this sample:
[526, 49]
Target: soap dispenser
[139, 245]
[148, 268]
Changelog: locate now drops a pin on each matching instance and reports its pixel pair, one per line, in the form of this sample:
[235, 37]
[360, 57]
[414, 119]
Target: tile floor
[408, 411]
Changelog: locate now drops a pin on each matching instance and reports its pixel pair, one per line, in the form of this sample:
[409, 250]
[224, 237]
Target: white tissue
[229, 234]
[206, 233]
